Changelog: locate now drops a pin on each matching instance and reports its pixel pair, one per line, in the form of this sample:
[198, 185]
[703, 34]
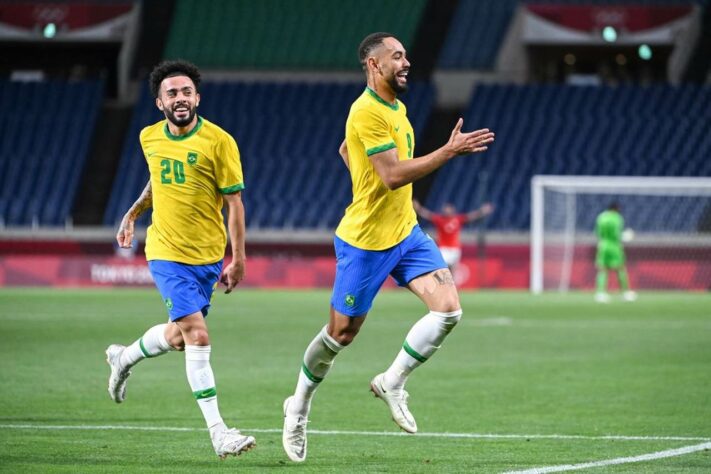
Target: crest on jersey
[192, 158]
[169, 303]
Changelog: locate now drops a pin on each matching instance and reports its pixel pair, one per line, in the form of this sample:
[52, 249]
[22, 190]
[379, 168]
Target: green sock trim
[415, 355]
[309, 375]
[206, 393]
[143, 348]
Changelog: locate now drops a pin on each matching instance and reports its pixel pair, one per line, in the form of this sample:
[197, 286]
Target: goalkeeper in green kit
[610, 254]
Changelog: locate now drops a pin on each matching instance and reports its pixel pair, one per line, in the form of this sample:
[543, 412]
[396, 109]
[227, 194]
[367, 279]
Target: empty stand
[45, 133]
[659, 130]
[274, 34]
[288, 136]
[477, 30]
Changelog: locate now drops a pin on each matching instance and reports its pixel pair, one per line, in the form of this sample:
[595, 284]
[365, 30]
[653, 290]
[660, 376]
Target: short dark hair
[614, 206]
[369, 43]
[170, 69]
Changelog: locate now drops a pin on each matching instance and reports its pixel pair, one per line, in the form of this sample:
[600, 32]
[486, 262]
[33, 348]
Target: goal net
[667, 241]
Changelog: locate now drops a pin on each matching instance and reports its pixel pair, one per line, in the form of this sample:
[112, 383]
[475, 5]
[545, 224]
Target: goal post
[670, 218]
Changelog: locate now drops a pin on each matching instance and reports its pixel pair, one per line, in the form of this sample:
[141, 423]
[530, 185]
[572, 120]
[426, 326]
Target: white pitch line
[367, 433]
[609, 462]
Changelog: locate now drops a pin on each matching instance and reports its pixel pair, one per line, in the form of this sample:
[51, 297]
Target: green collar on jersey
[178, 138]
[375, 96]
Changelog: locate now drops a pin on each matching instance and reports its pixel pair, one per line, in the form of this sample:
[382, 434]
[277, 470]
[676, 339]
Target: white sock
[421, 343]
[202, 382]
[318, 360]
[152, 344]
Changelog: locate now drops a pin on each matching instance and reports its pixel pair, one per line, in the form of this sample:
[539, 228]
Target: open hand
[461, 143]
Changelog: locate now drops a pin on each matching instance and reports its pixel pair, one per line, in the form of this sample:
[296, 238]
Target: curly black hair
[173, 68]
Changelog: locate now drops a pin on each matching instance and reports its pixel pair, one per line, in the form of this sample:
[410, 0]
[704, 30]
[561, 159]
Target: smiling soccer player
[379, 236]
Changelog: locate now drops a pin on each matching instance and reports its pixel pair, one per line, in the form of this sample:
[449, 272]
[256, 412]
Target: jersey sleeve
[228, 167]
[373, 131]
[142, 141]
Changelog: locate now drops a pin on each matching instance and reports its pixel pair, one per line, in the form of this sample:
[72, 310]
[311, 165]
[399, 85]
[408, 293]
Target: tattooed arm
[144, 202]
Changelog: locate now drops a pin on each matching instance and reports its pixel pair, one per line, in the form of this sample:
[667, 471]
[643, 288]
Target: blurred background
[604, 88]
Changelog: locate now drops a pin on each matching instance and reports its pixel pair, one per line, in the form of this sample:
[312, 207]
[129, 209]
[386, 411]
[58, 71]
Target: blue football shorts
[360, 273]
[185, 289]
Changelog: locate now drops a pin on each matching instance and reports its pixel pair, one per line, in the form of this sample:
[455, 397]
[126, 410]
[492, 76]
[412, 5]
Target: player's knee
[448, 304]
[345, 339]
[174, 337]
[177, 342]
[344, 336]
[197, 337]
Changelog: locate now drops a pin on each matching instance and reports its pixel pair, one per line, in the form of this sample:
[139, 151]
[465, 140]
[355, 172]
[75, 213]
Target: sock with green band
[202, 382]
[152, 344]
[423, 340]
[318, 360]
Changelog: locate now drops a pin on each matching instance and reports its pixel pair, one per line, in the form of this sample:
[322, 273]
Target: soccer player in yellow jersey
[379, 236]
[195, 170]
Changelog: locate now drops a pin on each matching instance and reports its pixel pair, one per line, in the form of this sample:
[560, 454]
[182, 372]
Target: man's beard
[395, 86]
[170, 115]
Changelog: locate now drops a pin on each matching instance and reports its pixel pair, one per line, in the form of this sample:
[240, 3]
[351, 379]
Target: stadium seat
[288, 135]
[478, 27]
[44, 147]
[658, 130]
[312, 34]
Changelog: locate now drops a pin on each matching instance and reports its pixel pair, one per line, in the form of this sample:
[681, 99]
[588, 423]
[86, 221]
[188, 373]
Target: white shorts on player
[451, 255]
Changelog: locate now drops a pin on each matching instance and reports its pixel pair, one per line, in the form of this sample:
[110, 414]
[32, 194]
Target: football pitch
[551, 382]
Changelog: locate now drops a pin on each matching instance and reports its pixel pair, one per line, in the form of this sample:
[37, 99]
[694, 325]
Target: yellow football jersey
[189, 174]
[378, 218]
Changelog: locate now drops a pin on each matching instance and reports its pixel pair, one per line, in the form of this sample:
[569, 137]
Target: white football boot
[119, 374]
[294, 434]
[629, 296]
[396, 400]
[230, 442]
[602, 297]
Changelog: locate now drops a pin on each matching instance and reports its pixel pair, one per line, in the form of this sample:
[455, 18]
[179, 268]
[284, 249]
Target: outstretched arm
[480, 213]
[422, 211]
[234, 272]
[343, 151]
[124, 237]
[396, 173]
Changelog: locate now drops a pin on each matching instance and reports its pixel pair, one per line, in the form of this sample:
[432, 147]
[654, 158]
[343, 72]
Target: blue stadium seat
[44, 147]
[288, 135]
[478, 27]
[658, 130]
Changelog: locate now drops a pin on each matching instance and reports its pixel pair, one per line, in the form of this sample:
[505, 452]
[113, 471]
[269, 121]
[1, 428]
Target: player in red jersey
[449, 224]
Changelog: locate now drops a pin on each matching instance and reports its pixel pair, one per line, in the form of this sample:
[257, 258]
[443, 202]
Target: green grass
[516, 365]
